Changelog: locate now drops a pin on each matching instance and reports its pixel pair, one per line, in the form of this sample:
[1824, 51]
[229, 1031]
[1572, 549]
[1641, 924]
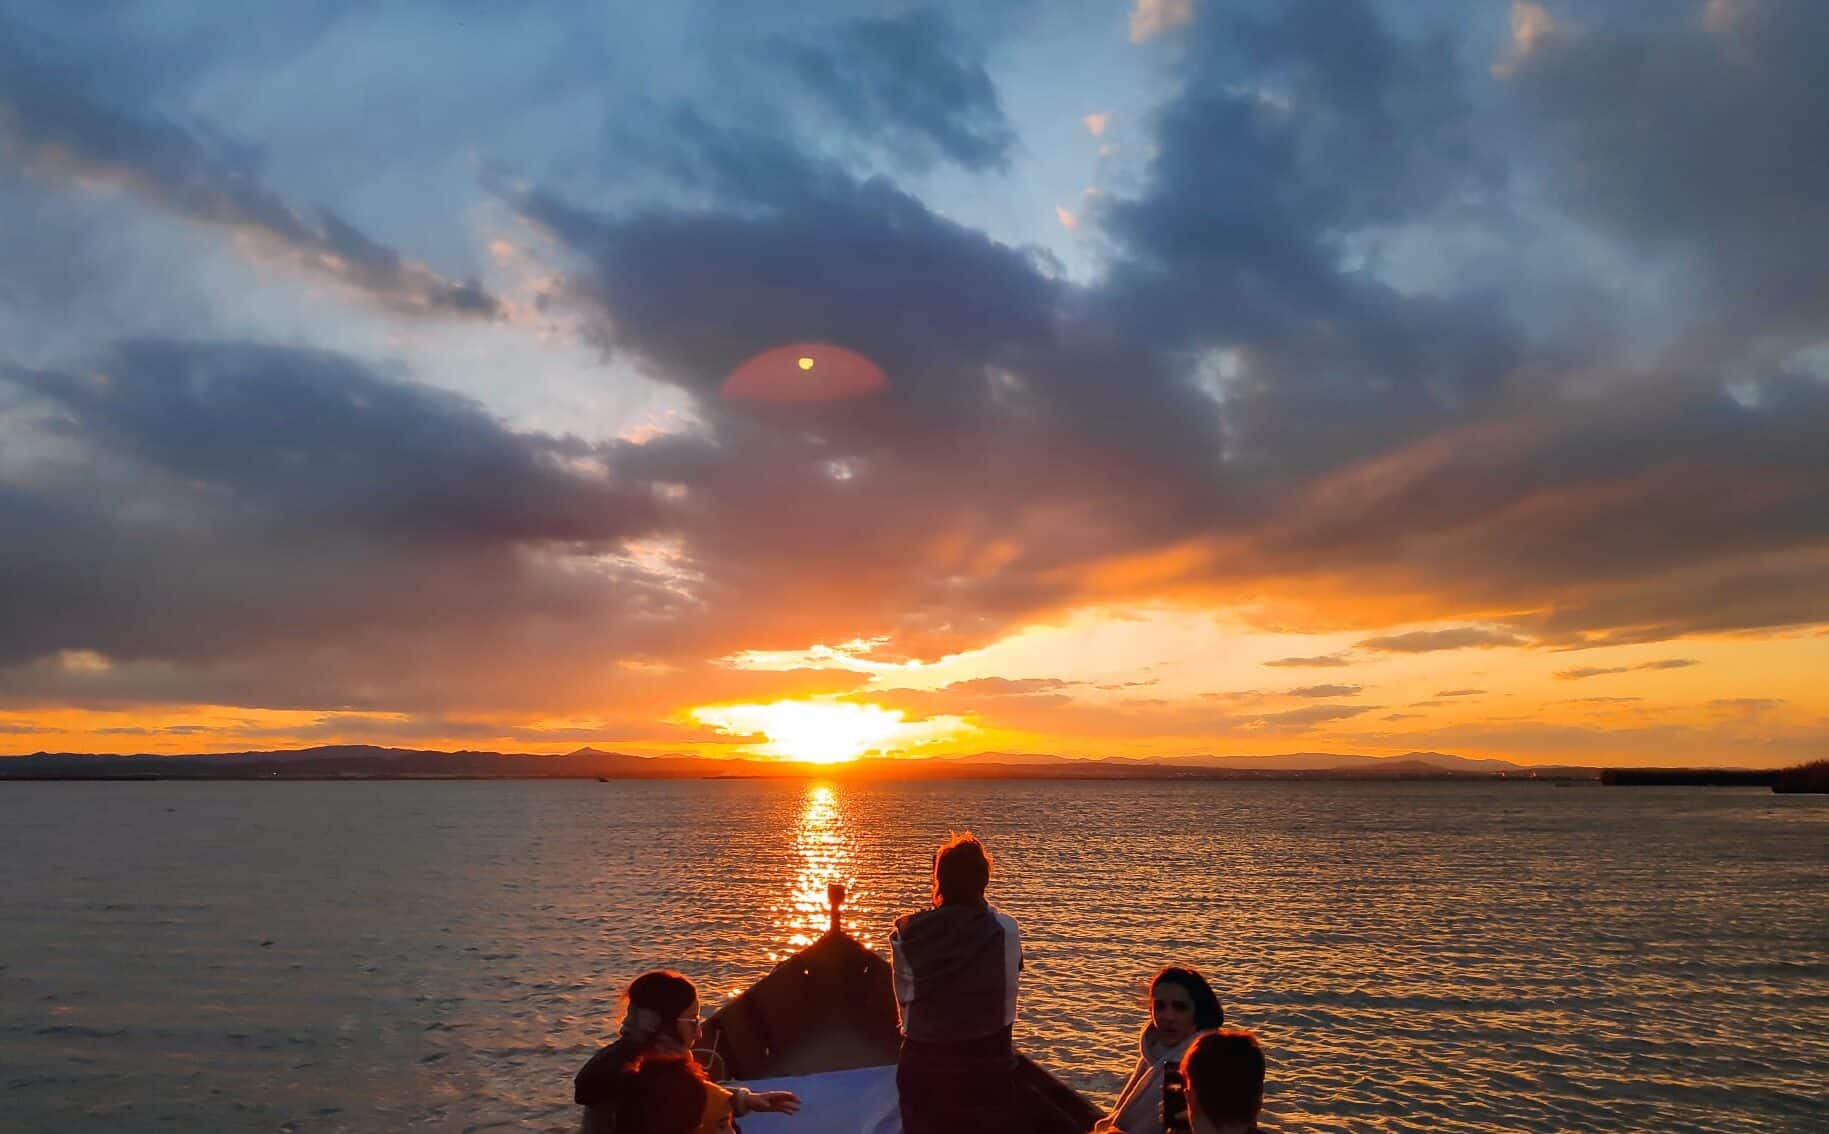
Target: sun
[817, 732]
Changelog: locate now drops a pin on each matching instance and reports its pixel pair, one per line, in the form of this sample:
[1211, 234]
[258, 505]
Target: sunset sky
[1098, 377]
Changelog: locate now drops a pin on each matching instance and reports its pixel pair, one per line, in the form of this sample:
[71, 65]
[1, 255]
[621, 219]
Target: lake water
[386, 956]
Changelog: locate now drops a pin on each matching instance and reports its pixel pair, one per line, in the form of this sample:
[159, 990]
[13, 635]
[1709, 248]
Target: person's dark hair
[1208, 1013]
[663, 992]
[962, 869]
[631, 1081]
[668, 1095]
[1225, 1075]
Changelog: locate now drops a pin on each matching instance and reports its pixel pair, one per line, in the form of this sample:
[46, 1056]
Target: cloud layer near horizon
[1394, 328]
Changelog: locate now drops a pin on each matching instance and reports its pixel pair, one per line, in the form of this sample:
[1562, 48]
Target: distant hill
[363, 761]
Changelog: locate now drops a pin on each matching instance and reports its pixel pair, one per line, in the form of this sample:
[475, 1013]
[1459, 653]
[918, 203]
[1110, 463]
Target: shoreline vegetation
[369, 762]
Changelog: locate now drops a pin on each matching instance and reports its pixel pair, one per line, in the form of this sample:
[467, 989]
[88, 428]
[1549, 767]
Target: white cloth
[1139, 1106]
[861, 1101]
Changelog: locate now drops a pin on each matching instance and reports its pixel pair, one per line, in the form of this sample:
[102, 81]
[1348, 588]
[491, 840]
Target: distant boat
[823, 1023]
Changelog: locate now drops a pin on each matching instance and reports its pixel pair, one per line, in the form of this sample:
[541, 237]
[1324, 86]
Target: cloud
[59, 131]
[1531, 25]
[1680, 140]
[1428, 641]
[1273, 453]
[1303, 718]
[1581, 672]
[1009, 687]
[1369, 337]
[1067, 219]
[1748, 705]
[223, 514]
[1326, 691]
[1096, 124]
[1151, 18]
[1460, 692]
[911, 84]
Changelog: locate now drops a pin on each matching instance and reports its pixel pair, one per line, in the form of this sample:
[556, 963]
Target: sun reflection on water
[826, 856]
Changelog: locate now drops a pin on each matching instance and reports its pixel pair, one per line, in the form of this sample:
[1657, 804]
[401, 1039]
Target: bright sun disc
[819, 732]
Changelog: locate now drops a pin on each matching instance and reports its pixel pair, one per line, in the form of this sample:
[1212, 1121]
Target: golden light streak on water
[827, 855]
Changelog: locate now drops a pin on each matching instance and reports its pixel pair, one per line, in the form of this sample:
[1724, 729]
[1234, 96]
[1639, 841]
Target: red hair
[669, 1095]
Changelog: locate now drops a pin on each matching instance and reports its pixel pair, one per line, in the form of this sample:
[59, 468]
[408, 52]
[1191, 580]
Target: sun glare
[819, 732]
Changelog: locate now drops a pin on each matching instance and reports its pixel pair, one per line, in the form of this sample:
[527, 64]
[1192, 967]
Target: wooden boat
[831, 1007]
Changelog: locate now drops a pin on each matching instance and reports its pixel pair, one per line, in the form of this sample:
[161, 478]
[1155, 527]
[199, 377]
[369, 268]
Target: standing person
[955, 967]
[1224, 1071]
[647, 1082]
[1182, 1006]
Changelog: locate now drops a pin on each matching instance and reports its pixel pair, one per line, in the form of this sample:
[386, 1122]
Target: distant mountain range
[362, 761]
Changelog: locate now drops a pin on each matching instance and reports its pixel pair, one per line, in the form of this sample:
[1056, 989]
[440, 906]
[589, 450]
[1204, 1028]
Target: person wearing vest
[955, 969]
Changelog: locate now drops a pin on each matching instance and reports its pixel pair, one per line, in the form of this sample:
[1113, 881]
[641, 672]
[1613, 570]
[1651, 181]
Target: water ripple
[369, 956]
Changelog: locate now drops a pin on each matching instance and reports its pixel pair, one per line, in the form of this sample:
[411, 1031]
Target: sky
[1095, 377]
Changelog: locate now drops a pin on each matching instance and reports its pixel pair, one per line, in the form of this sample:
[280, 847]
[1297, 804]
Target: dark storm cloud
[1292, 133]
[316, 442]
[972, 333]
[1347, 429]
[204, 504]
[996, 424]
[51, 121]
[801, 251]
[912, 85]
[1703, 137]
[1609, 515]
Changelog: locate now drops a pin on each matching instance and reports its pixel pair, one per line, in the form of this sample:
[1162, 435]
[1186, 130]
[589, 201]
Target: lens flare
[804, 373]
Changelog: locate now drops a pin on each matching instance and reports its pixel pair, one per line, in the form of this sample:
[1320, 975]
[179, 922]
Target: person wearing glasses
[1183, 1006]
[647, 1081]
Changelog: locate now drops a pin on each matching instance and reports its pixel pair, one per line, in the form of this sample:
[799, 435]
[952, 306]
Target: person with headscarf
[647, 1081]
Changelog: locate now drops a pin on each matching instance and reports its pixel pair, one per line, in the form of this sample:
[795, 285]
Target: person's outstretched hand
[776, 1102]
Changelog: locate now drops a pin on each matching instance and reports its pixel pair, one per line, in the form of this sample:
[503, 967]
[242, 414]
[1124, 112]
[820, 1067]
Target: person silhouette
[956, 966]
[647, 1081]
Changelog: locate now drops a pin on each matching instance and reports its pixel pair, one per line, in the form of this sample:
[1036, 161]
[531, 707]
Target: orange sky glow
[1141, 681]
[1404, 378]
